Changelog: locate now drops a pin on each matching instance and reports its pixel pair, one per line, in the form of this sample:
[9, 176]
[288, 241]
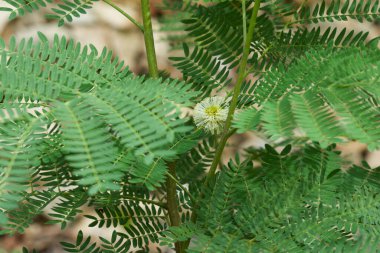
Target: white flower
[211, 114]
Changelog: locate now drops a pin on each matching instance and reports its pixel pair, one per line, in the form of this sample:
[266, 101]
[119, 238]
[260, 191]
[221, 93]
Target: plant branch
[240, 80]
[171, 182]
[226, 131]
[149, 41]
[244, 8]
[113, 5]
[181, 186]
[171, 191]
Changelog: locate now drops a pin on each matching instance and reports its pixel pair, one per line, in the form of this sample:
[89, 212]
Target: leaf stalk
[113, 5]
[171, 185]
[148, 38]
[236, 92]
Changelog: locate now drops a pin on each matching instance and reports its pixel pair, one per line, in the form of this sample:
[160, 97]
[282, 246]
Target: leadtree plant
[79, 129]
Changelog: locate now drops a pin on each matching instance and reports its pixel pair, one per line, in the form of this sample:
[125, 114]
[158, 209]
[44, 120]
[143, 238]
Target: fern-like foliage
[365, 174]
[68, 207]
[136, 131]
[81, 245]
[172, 30]
[318, 207]
[40, 71]
[336, 10]
[309, 116]
[216, 42]
[18, 158]
[94, 113]
[204, 71]
[117, 243]
[69, 10]
[285, 47]
[228, 14]
[221, 199]
[32, 204]
[53, 170]
[19, 8]
[153, 175]
[193, 164]
[142, 225]
[91, 157]
[215, 36]
[47, 68]
[78, 130]
[301, 75]
[326, 108]
[65, 11]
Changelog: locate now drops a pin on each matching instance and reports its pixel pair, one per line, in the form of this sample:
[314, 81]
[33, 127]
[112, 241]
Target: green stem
[110, 3]
[244, 20]
[171, 182]
[171, 191]
[240, 80]
[241, 76]
[149, 41]
[226, 131]
[181, 186]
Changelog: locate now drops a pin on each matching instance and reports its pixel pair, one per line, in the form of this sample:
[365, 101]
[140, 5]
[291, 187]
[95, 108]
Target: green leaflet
[32, 204]
[319, 69]
[65, 11]
[339, 104]
[204, 71]
[310, 195]
[132, 119]
[44, 72]
[338, 11]
[19, 157]
[87, 146]
[66, 71]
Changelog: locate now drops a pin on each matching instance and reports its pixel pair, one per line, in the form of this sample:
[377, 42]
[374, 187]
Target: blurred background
[105, 27]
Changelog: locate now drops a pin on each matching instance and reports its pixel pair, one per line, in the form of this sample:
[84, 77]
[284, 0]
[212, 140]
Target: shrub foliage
[78, 129]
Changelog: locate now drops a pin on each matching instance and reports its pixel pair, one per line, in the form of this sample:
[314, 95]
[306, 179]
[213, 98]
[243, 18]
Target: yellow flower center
[212, 110]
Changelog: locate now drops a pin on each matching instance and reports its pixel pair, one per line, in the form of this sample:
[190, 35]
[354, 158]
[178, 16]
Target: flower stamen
[213, 110]
[211, 113]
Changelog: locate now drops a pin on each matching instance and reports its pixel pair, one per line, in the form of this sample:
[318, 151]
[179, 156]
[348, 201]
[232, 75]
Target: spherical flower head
[211, 113]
